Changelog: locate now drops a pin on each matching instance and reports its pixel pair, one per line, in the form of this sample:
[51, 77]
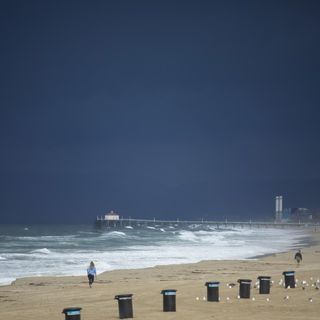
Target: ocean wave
[188, 236]
[42, 251]
[113, 234]
[40, 238]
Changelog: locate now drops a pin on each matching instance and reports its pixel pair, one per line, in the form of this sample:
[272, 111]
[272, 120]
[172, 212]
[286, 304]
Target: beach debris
[310, 299]
[197, 298]
[231, 285]
[228, 299]
[317, 288]
[253, 299]
[303, 288]
[311, 278]
[268, 299]
[238, 297]
[286, 298]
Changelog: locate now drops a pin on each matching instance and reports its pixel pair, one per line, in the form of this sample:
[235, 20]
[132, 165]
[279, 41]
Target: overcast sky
[161, 109]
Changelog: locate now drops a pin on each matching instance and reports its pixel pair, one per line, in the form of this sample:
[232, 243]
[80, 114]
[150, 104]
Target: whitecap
[117, 233]
[42, 251]
[113, 234]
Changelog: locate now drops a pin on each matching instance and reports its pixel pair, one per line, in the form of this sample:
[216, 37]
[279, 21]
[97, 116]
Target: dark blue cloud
[158, 109]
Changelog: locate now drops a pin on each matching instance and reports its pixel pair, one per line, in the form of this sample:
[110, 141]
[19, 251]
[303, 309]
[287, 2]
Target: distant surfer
[298, 256]
[92, 273]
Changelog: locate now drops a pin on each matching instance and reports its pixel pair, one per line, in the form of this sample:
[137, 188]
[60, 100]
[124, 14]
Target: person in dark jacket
[298, 256]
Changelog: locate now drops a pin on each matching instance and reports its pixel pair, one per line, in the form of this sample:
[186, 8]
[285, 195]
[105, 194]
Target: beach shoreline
[47, 254]
[39, 297]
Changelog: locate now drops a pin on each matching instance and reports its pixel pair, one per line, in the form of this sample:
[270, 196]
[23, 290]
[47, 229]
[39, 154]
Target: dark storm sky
[160, 109]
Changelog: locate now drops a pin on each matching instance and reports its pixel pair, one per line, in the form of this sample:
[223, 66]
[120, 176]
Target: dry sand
[45, 297]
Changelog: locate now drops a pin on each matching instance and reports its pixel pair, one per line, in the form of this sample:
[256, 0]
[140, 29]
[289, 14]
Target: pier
[102, 222]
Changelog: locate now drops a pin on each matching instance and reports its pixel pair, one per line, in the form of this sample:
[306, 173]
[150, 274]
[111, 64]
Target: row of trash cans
[125, 305]
[169, 296]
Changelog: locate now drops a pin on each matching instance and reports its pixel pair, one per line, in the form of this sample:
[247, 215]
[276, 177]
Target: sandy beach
[46, 297]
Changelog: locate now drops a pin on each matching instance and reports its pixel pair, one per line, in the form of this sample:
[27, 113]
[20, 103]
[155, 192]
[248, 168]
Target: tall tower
[278, 217]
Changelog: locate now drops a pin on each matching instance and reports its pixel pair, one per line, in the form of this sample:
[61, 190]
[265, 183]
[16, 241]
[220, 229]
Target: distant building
[111, 216]
[299, 214]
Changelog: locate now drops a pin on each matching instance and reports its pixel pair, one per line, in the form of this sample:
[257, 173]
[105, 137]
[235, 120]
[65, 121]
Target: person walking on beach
[298, 256]
[92, 273]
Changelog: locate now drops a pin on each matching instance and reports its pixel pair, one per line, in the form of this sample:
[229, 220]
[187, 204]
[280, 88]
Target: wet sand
[45, 297]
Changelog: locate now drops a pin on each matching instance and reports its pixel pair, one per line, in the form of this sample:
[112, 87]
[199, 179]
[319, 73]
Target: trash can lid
[288, 272]
[264, 277]
[244, 280]
[169, 292]
[66, 310]
[126, 296]
[213, 283]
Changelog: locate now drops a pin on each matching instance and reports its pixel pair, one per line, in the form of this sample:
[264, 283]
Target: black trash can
[169, 300]
[125, 305]
[212, 290]
[264, 284]
[72, 313]
[289, 280]
[244, 288]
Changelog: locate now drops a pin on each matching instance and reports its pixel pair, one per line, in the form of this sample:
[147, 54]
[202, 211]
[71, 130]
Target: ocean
[56, 250]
